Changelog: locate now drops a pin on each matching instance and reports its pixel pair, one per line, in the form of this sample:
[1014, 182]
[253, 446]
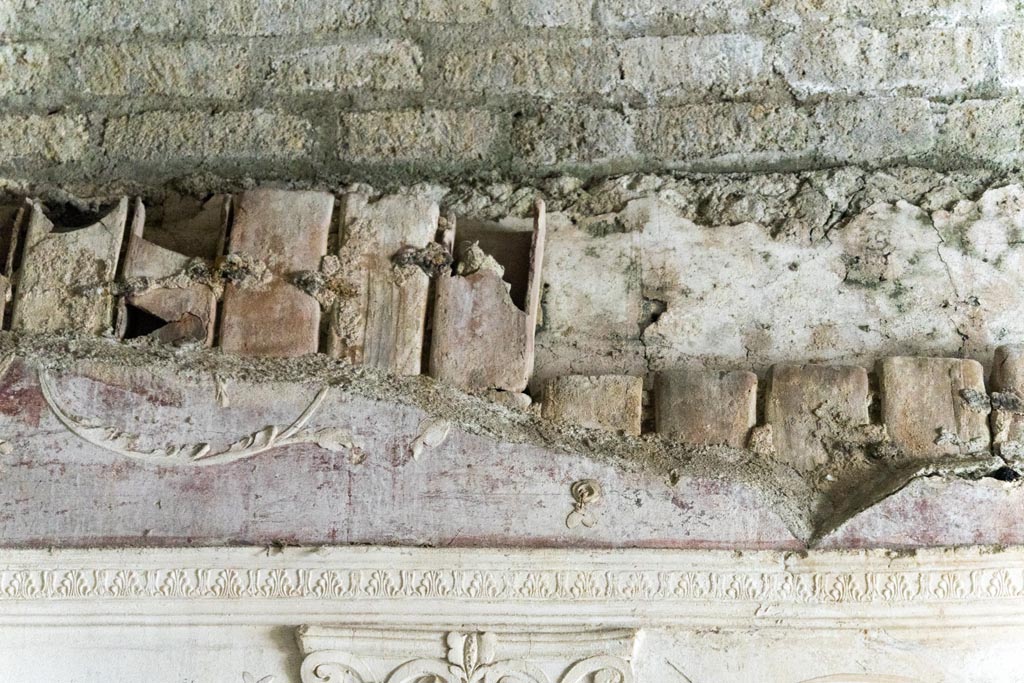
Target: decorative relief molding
[260, 441]
[629, 577]
[410, 656]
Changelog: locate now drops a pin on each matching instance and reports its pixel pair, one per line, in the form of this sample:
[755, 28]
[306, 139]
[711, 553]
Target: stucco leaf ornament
[259, 441]
[468, 652]
[249, 678]
[471, 659]
[432, 435]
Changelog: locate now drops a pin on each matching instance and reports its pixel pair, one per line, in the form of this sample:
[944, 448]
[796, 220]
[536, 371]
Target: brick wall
[309, 89]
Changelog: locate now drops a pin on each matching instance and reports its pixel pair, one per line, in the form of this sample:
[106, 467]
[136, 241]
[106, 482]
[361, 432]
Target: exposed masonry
[303, 90]
[249, 272]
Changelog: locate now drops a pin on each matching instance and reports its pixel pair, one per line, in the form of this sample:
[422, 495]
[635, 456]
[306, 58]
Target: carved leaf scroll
[260, 441]
[471, 658]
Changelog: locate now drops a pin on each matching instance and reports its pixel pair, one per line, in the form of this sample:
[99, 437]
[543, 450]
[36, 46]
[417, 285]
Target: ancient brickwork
[308, 89]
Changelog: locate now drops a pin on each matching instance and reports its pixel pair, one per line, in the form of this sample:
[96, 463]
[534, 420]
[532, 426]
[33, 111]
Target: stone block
[811, 407]
[983, 131]
[189, 69]
[611, 402]
[58, 138]
[448, 11]
[573, 135]
[482, 339]
[376, 64]
[414, 135]
[888, 12]
[288, 232]
[942, 61]
[380, 314]
[67, 272]
[533, 67]
[699, 16]
[91, 19]
[851, 59]
[1008, 403]
[592, 283]
[98, 18]
[286, 17]
[165, 136]
[935, 407]
[703, 132]
[544, 14]
[1011, 57]
[706, 407]
[873, 130]
[187, 308]
[731, 64]
[861, 60]
[24, 69]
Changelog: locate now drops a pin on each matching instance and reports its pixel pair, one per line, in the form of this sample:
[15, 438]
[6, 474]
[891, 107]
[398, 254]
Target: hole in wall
[1005, 474]
[139, 323]
[651, 310]
[69, 217]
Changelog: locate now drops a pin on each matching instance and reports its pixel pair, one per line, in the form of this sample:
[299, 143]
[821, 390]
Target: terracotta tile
[931, 406]
[379, 319]
[706, 406]
[481, 338]
[1008, 402]
[809, 406]
[612, 402]
[189, 311]
[288, 231]
[65, 276]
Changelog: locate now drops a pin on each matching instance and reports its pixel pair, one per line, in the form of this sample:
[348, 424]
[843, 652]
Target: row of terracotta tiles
[929, 408]
[255, 246]
[481, 325]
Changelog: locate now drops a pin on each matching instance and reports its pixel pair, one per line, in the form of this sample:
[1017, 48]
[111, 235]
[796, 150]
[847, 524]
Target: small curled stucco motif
[585, 494]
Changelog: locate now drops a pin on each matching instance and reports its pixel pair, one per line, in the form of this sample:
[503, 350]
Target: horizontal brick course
[595, 86]
[125, 19]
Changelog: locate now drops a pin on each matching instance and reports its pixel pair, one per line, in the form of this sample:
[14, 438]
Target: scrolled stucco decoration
[203, 453]
[469, 658]
[585, 494]
[331, 665]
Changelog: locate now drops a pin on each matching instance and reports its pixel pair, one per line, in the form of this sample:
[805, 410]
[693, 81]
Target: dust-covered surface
[863, 468]
[651, 272]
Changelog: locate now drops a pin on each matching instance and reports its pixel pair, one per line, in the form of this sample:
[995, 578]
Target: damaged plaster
[861, 470]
